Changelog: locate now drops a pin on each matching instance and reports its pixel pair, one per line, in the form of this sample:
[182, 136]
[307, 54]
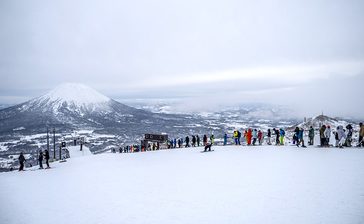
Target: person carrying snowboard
[282, 133]
[21, 161]
[269, 135]
[204, 140]
[198, 141]
[225, 139]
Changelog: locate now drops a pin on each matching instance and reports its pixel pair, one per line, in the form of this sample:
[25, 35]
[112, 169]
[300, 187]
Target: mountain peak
[75, 93]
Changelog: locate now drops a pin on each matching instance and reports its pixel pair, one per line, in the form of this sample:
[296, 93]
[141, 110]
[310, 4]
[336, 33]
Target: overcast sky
[307, 54]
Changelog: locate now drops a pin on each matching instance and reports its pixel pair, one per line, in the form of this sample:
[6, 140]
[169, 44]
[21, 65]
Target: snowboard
[207, 151]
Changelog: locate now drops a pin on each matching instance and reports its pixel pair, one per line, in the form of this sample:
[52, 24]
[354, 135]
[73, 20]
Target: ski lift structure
[154, 138]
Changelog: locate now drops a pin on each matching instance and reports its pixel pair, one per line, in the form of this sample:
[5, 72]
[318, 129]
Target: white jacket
[341, 133]
[327, 133]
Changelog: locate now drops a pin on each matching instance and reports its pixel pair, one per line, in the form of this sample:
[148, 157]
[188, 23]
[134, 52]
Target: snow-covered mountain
[71, 108]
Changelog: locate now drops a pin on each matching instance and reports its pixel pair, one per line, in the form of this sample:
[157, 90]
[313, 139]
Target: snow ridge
[75, 93]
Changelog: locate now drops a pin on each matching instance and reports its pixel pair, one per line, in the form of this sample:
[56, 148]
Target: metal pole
[47, 139]
[54, 143]
[60, 152]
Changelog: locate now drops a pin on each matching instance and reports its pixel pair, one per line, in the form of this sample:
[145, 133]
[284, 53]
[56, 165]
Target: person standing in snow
[311, 136]
[239, 137]
[295, 136]
[282, 133]
[46, 156]
[340, 136]
[40, 159]
[204, 140]
[361, 135]
[212, 139]
[269, 135]
[255, 136]
[21, 161]
[236, 137]
[249, 136]
[300, 138]
[193, 141]
[260, 137]
[187, 140]
[198, 141]
[276, 132]
[327, 136]
[322, 135]
[349, 135]
[225, 139]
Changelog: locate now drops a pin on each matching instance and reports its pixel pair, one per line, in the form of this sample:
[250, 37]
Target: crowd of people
[250, 137]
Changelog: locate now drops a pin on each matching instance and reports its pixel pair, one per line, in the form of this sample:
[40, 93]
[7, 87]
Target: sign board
[156, 137]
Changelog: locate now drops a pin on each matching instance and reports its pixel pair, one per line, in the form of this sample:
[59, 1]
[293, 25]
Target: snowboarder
[225, 139]
[21, 161]
[208, 147]
[46, 156]
[40, 159]
[311, 136]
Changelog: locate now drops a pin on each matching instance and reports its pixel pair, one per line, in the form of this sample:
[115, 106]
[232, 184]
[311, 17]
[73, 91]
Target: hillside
[276, 185]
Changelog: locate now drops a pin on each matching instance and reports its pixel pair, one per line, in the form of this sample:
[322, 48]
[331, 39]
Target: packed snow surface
[233, 184]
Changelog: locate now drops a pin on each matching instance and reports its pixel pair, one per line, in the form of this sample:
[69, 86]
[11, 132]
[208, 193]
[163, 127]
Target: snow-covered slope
[260, 185]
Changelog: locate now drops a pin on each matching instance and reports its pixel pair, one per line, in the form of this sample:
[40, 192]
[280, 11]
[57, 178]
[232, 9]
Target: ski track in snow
[233, 184]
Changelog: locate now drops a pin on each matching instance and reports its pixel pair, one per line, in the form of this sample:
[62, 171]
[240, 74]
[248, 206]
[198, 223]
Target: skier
[187, 140]
[225, 139]
[269, 135]
[204, 140]
[40, 159]
[46, 156]
[212, 139]
[21, 161]
[255, 136]
[322, 135]
[282, 133]
[260, 137]
[361, 135]
[327, 136]
[311, 135]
